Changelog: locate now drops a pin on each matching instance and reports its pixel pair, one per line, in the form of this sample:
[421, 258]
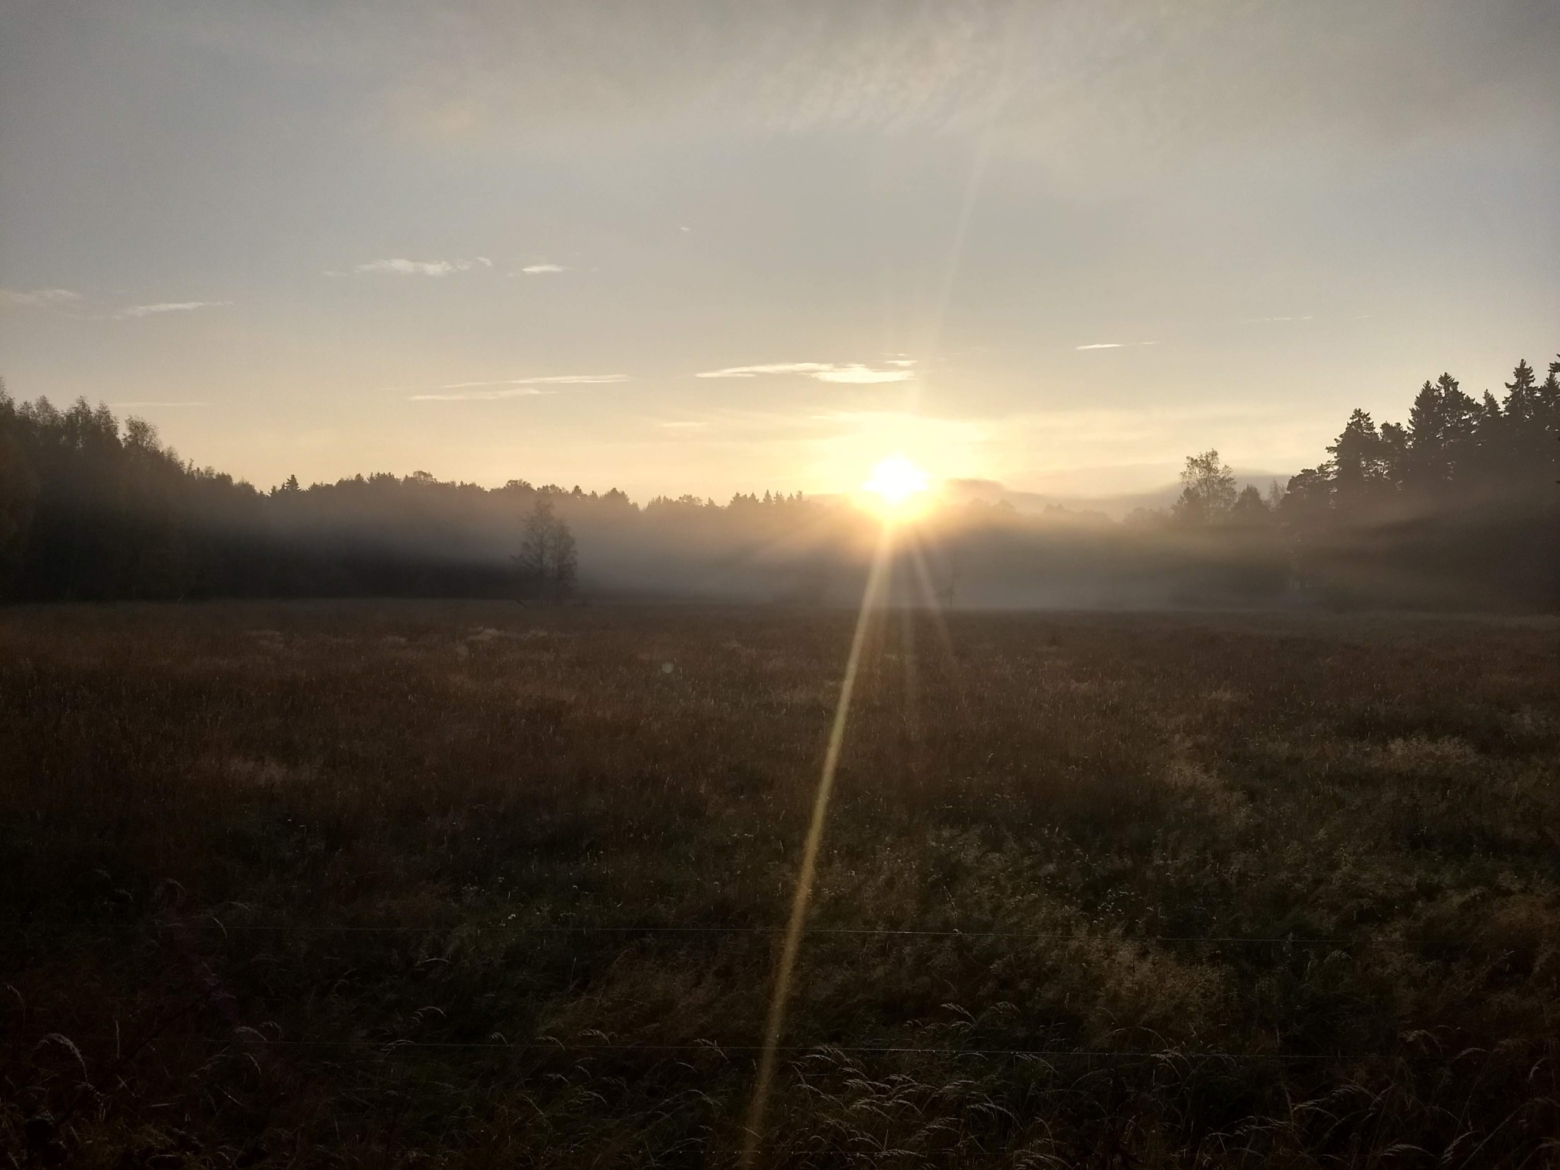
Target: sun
[896, 486]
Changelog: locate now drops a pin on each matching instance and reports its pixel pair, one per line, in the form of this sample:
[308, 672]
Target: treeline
[1457, 507]
[94, 510]
[90, 510]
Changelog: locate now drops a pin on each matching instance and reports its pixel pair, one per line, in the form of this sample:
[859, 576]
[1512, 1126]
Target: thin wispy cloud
[854, 373]
[168, 307]
[400, 266]
[41, 298]
[1115, 345]
[481, 395]
[543, 269]
[554, 380]
[512, 387]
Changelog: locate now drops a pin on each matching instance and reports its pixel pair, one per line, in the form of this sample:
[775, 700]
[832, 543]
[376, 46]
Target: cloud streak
[852, 373]
[400, 266]
[41, 298]
[542, 269]
[481, 395]
[512, 387]
[168, 307]
[1115, 345]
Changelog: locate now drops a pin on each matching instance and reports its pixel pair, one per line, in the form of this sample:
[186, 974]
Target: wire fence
[821, 1048]
[212, 922]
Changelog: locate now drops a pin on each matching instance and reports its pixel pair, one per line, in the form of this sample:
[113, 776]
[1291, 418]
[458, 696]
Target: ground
[488, 884]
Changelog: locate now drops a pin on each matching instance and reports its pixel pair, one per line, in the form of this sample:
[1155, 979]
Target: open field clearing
[481, 884]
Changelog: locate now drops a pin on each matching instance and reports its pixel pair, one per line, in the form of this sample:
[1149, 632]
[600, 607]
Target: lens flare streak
[871, 600]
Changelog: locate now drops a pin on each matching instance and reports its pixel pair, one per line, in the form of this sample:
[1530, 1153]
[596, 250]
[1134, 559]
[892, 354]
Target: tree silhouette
[1441, 426]
[1362, 461]
[547, 563]
[1250, 509]
[1459, 507]
[1207, 490]
[18, 486]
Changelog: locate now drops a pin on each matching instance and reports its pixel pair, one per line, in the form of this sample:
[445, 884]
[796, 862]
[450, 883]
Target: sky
[680, 246]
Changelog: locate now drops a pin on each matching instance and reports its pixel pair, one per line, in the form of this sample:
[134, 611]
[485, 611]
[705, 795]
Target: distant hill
[993, 491]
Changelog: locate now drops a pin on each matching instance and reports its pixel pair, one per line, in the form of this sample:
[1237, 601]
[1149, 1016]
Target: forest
[1456, 508]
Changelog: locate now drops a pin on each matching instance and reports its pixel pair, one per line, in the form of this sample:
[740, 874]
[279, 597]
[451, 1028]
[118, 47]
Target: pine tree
[1361, 467]
[1440, 438]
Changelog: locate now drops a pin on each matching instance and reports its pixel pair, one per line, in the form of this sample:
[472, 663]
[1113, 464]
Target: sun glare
[896, 485]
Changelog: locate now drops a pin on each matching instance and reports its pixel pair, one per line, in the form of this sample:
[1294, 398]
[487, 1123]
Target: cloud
[1116, 344]
[513, 387]
[542, 269]
[554, 380]
[46, 298]
[168, 307]
[480, 395]
[864, 375]
[41, 298]
[854, 373]
[399, 266]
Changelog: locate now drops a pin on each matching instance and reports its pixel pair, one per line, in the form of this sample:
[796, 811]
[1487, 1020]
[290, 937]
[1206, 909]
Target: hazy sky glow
[706, 247]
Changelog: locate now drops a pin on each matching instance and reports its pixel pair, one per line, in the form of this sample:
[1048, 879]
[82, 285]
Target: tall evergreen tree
[1440, 438]
[1361, 466]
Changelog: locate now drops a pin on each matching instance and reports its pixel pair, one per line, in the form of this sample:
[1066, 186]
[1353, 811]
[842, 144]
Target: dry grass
[203, 808]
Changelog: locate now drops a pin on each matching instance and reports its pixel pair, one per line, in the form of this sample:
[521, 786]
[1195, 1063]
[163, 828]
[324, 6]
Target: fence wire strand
[210, 921]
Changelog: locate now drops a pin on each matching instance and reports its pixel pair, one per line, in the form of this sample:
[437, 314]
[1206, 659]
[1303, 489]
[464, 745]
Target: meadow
[482, 884]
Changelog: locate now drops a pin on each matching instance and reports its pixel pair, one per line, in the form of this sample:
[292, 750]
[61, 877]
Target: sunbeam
[936, 606]
[871, 600]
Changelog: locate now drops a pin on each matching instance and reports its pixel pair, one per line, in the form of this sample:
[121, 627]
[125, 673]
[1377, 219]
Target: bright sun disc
[895, 484]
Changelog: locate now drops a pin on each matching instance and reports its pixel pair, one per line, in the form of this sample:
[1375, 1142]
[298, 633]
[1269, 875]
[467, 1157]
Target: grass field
[369, 885]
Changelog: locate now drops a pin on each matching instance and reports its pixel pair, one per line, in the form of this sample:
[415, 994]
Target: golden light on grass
[896, 487]
[896, 490]
[871, 601]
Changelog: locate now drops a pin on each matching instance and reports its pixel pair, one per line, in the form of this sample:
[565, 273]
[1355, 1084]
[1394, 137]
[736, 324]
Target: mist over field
[779, 585]
[1457, 508]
